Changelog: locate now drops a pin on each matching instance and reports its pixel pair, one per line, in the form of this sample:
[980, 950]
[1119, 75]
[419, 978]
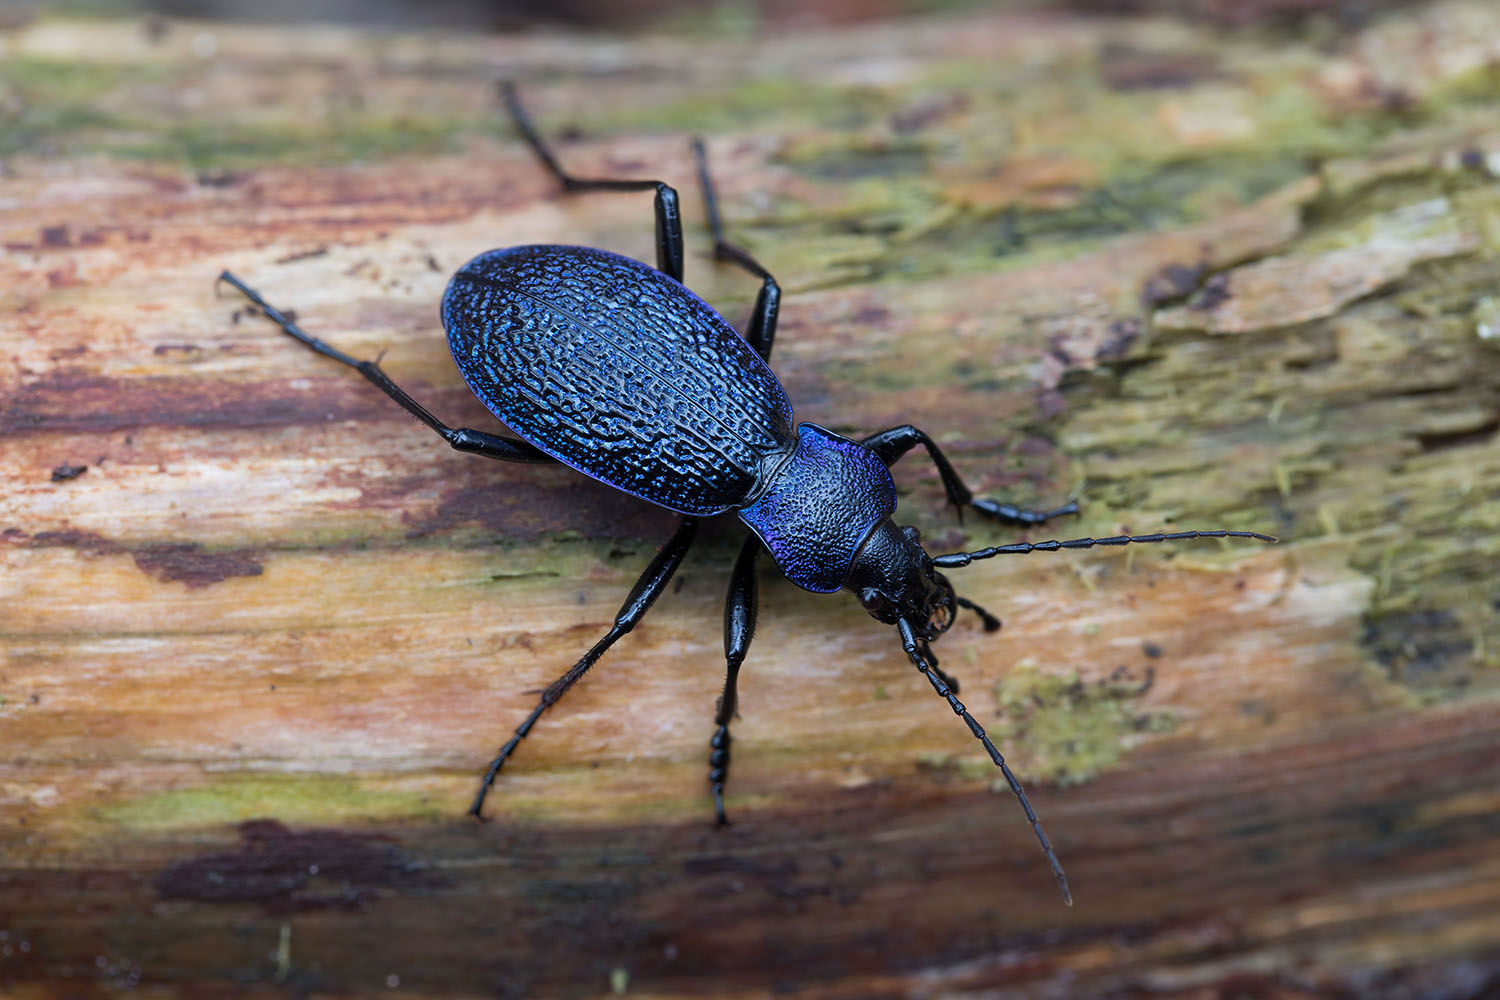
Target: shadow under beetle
[615, 369]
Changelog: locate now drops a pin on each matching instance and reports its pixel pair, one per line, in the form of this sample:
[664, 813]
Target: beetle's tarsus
[721, 820]
[1007, 513]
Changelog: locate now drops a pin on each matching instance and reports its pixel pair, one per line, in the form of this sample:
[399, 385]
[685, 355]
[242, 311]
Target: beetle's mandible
[614, 368]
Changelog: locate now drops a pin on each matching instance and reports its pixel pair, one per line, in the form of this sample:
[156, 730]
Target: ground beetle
[615, 369]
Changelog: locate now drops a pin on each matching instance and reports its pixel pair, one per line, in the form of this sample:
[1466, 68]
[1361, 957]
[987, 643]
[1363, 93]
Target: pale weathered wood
[274, 627]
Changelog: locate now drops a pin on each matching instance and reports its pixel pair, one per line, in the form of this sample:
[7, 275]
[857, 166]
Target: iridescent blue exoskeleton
[615, 369]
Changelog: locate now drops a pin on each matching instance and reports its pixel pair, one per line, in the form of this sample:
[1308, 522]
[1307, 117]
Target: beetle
[616, 369]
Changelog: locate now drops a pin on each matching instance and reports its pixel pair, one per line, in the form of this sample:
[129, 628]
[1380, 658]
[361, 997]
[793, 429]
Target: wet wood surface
[261, 630]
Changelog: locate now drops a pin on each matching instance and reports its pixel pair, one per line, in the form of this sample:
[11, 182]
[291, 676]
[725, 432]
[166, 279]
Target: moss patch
[57, 108]
[47, 104]
[289, 798]
[1068, 730]
[745, 105]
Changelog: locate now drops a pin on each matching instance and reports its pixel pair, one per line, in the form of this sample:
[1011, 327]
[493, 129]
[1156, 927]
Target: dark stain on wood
[185, 562]
[195, 566]
[783, 897]
[1126, 68]
[82, 541]
[83, 402]
[55, 238]
[1171, 283]
[1122, 335]
[289, 872]
[529, 503]
[1214, 293]
[1427, 649]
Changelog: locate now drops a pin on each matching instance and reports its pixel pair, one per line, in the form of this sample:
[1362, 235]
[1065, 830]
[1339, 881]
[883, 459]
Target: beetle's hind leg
[669, 252]
[668, 211]
[459, 438]
[892, 444]
[762, 331]
[740, 609]
[645, 592]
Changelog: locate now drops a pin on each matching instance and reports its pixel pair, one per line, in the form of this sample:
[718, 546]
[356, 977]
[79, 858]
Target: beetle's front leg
[892, 444]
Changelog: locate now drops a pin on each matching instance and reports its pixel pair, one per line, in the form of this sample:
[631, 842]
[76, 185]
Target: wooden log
[261, 630]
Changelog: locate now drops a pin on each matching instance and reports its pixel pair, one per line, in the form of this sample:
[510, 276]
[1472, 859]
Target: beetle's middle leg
[762, 332]
[459, 438]
[740, 609]
[668, 212]
[892, 444]
[645, 592]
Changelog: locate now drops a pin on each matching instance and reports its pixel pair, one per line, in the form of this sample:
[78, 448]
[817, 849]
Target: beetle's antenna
[955, 559]
[912, 645]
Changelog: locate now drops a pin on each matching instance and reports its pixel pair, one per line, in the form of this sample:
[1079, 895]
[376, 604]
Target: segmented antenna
[911, 644]
[955, 559]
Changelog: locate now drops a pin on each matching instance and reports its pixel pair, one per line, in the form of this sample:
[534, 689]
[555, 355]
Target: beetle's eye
[871, 599]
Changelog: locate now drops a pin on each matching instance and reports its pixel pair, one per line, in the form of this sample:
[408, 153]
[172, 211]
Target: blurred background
[688, 15]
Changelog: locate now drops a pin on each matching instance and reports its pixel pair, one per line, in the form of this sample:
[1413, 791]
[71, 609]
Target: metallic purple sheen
[616, 369]
[820, 507]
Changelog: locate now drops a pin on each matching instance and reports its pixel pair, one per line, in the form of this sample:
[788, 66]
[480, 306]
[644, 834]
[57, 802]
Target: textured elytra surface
[821, 507]
[619, 371]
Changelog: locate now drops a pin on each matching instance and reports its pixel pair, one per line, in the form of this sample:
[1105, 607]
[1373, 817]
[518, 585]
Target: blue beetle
[616, 369]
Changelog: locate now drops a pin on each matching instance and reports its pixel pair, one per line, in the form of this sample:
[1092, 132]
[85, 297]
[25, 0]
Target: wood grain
[257, 650]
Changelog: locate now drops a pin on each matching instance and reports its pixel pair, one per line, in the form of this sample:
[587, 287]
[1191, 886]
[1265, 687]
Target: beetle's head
[894, 579]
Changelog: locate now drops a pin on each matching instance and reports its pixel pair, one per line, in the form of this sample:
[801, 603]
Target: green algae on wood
[315, 799]
[1066, 730]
